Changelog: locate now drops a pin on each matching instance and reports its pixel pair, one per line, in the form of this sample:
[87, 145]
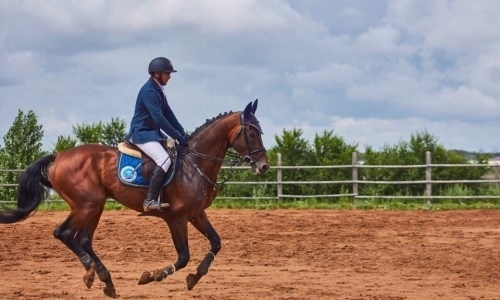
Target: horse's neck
[213, 140]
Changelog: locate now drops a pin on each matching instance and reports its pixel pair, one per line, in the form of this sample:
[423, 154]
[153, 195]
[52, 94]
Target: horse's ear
[254, 105]
[247, 111]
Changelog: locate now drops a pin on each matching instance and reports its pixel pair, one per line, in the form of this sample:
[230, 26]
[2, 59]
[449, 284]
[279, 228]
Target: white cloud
[453, 134]
[374, 71]
[331, 76]
[462, 103]
[382, 41]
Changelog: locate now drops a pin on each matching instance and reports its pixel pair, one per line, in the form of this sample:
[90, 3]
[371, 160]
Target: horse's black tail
[32, 190]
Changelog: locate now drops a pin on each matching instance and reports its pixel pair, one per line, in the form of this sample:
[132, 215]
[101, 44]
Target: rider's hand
[182, 141]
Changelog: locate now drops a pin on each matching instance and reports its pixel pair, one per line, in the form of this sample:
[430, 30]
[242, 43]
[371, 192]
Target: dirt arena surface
[276, 254]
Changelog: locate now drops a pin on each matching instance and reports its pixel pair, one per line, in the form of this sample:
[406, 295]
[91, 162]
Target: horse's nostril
[265, 167]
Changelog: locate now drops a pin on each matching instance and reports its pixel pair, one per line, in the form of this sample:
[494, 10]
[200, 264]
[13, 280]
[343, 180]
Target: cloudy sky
[374, 72]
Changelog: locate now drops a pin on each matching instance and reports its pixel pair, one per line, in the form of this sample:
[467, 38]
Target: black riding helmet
[160, 64]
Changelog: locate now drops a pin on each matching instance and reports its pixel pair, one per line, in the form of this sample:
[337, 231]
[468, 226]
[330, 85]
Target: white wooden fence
[356, 181]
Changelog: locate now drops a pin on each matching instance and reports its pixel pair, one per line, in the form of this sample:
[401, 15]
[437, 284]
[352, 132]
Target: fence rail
[355, 182]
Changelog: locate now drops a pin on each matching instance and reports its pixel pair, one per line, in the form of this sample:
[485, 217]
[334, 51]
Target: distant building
[495, 161]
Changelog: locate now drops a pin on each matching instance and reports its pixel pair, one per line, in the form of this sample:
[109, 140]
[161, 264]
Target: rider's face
[163, 77]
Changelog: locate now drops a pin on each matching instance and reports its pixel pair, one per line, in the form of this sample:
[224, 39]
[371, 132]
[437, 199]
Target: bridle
[243, 129]
[236, 159]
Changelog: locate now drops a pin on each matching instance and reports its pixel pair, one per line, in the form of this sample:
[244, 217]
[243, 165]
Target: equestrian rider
[153, 122]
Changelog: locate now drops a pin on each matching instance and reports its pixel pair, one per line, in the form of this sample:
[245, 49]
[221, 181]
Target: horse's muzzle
[260, 167]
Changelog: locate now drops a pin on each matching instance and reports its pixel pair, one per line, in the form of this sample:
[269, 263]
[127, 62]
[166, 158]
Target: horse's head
[247, 141]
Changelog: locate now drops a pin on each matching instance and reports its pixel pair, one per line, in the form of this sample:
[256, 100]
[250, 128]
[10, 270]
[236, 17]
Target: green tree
[113, 132]
[404, 153]
[88, 133]
[97, 133]
[331, 150]
[413, 152]
[23, 145]
[326, 149]
[64, 142]
[23, 141]
[5, 192]
[295, 151]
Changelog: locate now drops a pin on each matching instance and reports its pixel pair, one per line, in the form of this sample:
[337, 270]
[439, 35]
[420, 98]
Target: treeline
[22, 145]
[330, 149]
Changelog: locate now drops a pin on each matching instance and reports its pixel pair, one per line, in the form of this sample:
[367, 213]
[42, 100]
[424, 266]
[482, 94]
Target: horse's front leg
[179, 232]
[204, 226]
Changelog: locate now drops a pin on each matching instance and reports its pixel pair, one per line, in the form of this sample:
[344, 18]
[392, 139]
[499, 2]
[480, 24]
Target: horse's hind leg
[86, 239]
[79, 240]
[66, 234]
[204, 226]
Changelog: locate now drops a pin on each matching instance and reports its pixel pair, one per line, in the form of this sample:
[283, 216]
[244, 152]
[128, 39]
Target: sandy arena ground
[277, 254]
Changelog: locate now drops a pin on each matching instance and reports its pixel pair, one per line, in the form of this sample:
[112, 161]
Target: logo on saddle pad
[128, 174]
[134, 170]
[130, 171]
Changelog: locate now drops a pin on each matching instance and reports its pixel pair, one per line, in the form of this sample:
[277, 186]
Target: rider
[154, 121]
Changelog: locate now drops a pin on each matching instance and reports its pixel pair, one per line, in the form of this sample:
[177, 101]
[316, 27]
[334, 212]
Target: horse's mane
[209, 122]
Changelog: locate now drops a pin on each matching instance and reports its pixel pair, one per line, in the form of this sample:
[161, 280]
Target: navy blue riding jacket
[153, 117]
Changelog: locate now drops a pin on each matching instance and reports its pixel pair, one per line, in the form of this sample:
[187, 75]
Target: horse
[85, 177]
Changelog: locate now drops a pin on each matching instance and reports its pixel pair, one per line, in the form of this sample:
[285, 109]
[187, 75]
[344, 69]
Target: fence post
[428, 176]
[497, 176]
[355, 174]
[279, 178]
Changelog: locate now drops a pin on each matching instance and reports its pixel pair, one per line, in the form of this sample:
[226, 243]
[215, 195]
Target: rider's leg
[162, 160]
[155, 185]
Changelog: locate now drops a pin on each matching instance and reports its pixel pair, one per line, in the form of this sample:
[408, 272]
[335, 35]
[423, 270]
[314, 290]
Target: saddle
[147, 164]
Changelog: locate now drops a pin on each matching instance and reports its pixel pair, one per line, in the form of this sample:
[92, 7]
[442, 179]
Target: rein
[237, 159]
[234, 162]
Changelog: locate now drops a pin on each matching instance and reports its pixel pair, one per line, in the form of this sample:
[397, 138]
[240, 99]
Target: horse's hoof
[145, 278]
[110, 291]
[88, 278]
[192, 280]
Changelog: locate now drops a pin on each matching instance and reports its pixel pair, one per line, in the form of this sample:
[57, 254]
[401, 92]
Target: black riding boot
[155, 184]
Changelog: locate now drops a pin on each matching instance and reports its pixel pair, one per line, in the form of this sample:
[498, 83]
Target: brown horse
[86, 176]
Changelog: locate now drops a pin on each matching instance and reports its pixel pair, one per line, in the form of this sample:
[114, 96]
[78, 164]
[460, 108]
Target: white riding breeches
[157, 153]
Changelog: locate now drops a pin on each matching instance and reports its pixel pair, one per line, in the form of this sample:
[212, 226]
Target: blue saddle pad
[129, 171]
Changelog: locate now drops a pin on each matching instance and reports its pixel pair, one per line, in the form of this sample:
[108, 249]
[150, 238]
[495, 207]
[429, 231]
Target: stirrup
[154, 205]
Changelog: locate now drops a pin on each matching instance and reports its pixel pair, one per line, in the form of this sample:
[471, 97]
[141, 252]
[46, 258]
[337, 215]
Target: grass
[365, 204]
[59, 205]
[342, 203]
